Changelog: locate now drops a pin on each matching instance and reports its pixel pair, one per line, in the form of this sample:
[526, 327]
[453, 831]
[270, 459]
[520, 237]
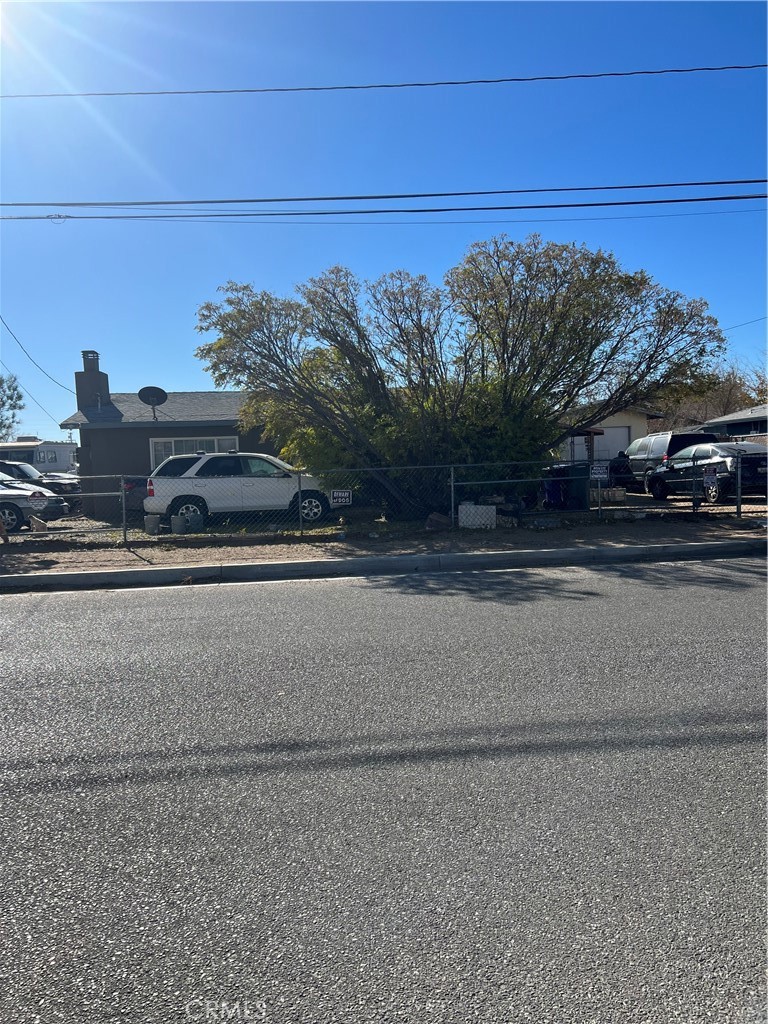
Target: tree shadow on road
[517, 586]
[695, 729]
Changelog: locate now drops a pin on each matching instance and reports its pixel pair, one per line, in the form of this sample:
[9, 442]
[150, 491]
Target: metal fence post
[738, 486]
[123, 510]
[453, 498]
[599, 503]
[298, 506]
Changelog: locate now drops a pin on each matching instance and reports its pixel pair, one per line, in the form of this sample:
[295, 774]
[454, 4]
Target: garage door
[614, 440]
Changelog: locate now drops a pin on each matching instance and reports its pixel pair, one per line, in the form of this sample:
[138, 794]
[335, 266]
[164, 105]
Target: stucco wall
[620, 430]
[638, 423]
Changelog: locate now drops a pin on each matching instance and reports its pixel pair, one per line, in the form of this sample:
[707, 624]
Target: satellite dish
[154, 397]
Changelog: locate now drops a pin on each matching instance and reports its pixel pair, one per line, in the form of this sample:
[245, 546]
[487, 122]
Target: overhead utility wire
[342, 213]
[5, 325]
[199, 218]
[32, 397]
[745, 324]
[382, 85]
[124, 204]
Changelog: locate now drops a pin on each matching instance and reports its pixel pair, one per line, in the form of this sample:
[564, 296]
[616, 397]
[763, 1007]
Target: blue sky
[131, 289]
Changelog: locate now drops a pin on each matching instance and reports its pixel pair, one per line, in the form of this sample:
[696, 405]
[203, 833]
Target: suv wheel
[11, 516]
[188, 506]
[314, 507]
[647, 481]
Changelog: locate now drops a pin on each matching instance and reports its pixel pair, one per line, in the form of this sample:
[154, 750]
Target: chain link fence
[264, 499]
[735, 485]
[95, 505]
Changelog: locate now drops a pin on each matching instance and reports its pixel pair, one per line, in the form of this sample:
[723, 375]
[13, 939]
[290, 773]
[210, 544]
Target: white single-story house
[618, 431]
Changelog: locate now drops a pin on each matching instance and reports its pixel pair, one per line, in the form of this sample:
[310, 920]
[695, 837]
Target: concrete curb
[380, 565]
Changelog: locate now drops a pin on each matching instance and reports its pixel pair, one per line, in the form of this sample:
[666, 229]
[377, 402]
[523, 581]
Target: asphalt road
[504, 797]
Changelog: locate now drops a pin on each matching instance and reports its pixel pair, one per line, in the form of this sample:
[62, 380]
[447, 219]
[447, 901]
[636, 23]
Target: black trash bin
[566, 486]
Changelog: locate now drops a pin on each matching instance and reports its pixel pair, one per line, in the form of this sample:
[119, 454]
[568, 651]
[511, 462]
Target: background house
[46, 456]
[742, 423]
[121, 436]
[616, 433]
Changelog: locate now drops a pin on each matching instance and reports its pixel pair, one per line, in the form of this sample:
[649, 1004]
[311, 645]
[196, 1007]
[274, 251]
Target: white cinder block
[477, 517]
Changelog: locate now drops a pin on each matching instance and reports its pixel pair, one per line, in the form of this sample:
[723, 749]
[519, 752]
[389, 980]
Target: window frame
[222, 444]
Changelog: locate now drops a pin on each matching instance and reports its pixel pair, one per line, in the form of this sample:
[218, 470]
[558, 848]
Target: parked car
[712, 468]
[59, 483]
[648, 453]
[135, 488]
[208, 484]
[19, 501]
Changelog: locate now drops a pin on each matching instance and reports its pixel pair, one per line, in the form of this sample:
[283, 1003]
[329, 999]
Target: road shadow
[520, 586]
[694, 729]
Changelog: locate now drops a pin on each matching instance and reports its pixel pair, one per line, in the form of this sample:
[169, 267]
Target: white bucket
[178, 524]
[152, 525]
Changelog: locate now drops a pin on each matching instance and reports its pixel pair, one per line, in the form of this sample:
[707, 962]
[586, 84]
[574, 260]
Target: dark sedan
[711, 470]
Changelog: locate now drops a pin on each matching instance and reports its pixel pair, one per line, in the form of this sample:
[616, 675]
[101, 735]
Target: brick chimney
[91, 385]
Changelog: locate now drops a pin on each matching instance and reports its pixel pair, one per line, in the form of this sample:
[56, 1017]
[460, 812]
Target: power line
[745, 324]
[127, 204]
[346, 213]
[31, 397]
[384, 85]
[5, 325]
[200, 219]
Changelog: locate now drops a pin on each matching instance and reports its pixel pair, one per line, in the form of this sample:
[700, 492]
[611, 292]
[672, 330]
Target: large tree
[11, 403]
[522, 342]
[729, 388]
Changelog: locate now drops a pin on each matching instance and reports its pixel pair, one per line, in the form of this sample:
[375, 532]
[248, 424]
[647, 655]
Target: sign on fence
[341, 497]
[599, 472]
[38, 501]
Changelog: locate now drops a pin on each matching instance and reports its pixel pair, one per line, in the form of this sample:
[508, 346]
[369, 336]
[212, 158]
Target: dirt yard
[46, 553]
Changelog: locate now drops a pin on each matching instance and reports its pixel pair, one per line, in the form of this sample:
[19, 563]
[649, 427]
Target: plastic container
[566, 486]
[152, 525]
[178, 524]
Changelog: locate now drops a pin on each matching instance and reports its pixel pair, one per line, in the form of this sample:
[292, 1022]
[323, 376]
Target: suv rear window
[679, 441]
[176, 467]
[659, 444]
[638, 448]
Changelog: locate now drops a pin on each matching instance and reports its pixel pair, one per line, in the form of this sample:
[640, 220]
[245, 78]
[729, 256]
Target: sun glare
[34, 37]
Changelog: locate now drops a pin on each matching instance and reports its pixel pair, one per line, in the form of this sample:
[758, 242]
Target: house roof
[182, 407]
[756, 412]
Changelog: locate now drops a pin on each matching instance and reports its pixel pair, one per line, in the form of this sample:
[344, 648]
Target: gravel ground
[45, 553]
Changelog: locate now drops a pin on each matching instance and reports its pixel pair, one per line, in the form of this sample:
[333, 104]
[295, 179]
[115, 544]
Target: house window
[52, 457]
[39, 455]
[162, 449]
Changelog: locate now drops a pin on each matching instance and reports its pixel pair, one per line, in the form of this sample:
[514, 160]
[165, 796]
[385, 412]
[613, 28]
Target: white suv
[209, 484]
